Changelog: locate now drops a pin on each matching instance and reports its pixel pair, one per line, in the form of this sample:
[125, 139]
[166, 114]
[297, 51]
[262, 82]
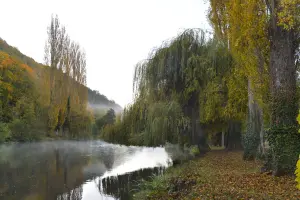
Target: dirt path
[224, 175]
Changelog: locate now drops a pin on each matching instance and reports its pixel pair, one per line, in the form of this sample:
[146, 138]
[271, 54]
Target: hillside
[37, 101]
[96, 100]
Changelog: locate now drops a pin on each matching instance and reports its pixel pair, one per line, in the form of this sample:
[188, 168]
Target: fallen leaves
[224, 175]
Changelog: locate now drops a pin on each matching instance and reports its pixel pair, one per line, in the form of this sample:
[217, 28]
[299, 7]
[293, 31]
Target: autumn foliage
[220, 175]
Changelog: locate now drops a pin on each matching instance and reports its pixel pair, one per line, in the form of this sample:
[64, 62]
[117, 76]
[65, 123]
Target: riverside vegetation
[240, 80]
[50, 100]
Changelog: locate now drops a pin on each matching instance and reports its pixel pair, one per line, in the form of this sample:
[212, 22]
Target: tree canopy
[181, 89]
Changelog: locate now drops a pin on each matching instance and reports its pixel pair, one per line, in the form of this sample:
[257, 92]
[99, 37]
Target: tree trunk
[284, 108]
[201, 138]
[233, 139]
[198, 136]
[283, 78]
[223, 139]
[254, 136]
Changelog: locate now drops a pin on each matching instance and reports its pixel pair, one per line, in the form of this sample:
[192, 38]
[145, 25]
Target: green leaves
[165, 122]
[5, 132]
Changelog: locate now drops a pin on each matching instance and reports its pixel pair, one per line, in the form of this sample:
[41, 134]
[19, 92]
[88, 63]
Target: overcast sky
[116, 34]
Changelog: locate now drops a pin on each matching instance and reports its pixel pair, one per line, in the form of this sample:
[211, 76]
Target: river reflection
[68, 170]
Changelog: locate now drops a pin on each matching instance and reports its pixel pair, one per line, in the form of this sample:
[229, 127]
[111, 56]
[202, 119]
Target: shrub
[285, 146]
[19, 130]
[24, 131]
[194, 150]
[5, 132]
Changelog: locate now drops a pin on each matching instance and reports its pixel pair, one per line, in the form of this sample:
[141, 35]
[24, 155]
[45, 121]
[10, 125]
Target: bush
[285, 146]
[250, 143]
[194, 150]
[5, 132]
[19, 130]
[181, 154]
[23, 131]
[80, 124]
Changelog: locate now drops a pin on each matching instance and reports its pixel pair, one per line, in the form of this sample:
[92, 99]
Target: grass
[218, 175]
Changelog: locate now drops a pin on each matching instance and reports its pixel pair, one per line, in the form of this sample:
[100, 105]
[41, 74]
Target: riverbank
[218, 175]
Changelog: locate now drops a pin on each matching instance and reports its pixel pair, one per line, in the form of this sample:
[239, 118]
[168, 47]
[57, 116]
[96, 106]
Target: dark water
[68, 170]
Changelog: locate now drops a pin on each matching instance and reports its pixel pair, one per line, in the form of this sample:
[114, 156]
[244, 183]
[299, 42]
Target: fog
[104, 108]
[52, 168]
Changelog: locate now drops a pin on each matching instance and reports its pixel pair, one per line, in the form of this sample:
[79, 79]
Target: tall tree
[67, 62]
[263, 39]
[181, 93]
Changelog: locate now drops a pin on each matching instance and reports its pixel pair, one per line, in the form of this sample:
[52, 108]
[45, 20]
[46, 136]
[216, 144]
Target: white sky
[116, 34]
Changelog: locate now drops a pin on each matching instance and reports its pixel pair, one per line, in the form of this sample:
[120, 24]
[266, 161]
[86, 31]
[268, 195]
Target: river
[76, 170]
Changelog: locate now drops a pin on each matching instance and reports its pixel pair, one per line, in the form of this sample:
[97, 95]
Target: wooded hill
[27, 110]
[94, 96]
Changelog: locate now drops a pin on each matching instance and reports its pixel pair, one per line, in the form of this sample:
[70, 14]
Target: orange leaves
[13, 74]
[8, 62]
[12, 69]
[28, 69]
[5, 60]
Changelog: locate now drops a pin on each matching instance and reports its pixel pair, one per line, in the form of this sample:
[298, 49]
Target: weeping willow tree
[165, 121]
[175, 71]
[181, 92]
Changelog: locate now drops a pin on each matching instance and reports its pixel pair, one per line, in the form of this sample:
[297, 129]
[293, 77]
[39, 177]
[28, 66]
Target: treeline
[242, 80]
[51, 100]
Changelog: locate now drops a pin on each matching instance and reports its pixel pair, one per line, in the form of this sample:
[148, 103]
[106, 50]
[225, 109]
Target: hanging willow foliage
[165, 121]
[179, 88]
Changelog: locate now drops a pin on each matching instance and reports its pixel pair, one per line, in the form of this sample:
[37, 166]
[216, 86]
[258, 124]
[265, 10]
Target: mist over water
[105, 107]
[76, 169]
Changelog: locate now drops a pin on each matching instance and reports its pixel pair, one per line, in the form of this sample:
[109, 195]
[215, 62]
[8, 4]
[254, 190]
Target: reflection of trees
[122, 185]
[107, 156]
[75, 194]
[44, 175]
[51, 170]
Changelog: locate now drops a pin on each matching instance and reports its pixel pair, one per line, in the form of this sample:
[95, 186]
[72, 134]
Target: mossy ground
[218, 175]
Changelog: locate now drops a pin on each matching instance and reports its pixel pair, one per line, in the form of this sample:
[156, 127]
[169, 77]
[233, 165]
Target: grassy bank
[218, 175]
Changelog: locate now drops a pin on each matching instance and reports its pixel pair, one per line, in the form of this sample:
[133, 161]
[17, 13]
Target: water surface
[76, 170]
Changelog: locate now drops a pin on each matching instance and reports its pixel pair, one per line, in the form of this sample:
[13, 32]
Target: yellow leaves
[247, 32]
[6, 86]
[298, 118]
[236, 106]
[288, 16]
[212, 101]
[52, 116]
[297, 172]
